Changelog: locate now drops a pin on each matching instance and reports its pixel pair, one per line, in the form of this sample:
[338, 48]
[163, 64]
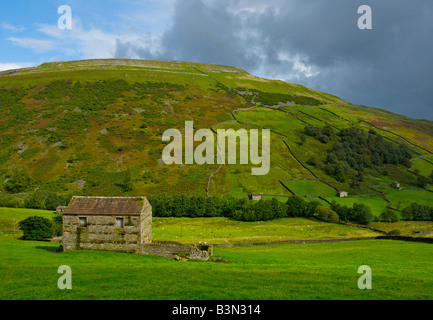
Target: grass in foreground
[400, 270]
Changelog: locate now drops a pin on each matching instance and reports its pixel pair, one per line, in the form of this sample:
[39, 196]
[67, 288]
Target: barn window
[83, 222]
[119, 222]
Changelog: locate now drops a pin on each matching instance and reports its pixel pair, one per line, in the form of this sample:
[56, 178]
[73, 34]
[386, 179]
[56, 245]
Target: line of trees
[230, 207]
[263, 210]
[243, 209]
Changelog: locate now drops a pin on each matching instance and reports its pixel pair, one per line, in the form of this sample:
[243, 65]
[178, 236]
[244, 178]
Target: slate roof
[105, 206]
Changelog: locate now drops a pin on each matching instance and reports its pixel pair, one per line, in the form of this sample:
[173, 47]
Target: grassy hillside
[79, 126]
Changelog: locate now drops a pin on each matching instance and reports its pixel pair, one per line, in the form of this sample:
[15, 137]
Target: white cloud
[9, 27]
[300, 67]
[303, 70]
[34, 44]
[87, 43]
[11, 66]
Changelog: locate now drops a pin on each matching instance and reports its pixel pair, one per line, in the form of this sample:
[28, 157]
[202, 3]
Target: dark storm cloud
[316, 43]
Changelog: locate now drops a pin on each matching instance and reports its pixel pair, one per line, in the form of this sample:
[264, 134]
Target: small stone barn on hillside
[108, 224]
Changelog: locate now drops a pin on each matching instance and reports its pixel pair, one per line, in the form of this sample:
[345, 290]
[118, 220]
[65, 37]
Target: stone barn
[255, 196]
[342, 194]
[396, 185]
[107, 223]
[122, 225]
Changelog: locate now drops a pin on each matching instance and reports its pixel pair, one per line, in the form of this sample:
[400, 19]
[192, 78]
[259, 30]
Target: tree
[354, 184]
[128, 183]
[361, 213]
[57, 225]
[303, 139]
[295, 207]
[388, 216]
[310, 208]
[46, 200]
[19, 181]
[36, 228]
[53, 200]
[326, 214]
[279, 209]
[422, 181]
[417, 212]
[343, 212]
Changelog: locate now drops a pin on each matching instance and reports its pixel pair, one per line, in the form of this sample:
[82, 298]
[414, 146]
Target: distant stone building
[342, 194]
[395, 185]
[109, 224]
[60, 209]
[255, 196]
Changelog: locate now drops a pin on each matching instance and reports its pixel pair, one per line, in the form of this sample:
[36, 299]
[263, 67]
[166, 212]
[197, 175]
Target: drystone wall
[172, 249]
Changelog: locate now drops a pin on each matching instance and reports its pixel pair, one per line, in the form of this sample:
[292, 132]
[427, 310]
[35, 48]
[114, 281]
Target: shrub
[395, 232]
[361, 213]
[36, 228]
[326, 214]
[388, 216]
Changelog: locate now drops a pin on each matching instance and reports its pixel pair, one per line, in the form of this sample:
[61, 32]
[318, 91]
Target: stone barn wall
[102, 233]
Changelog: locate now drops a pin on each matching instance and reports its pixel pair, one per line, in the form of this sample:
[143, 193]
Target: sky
[316, 43]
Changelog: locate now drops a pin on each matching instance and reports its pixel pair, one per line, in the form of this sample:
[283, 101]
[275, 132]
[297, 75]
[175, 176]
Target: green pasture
[400, 199]
[310, 188]
[224, 230]
[238, 179]
[376, 203]
[400, 270]
[424, 167]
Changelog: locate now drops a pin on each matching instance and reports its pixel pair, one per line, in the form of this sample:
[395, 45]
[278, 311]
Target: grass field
[8, 215]
[400, 199]
[407, 228]
[310, 188]
[377, 204]
[223, 230]
[28, 270]
[425, 167]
